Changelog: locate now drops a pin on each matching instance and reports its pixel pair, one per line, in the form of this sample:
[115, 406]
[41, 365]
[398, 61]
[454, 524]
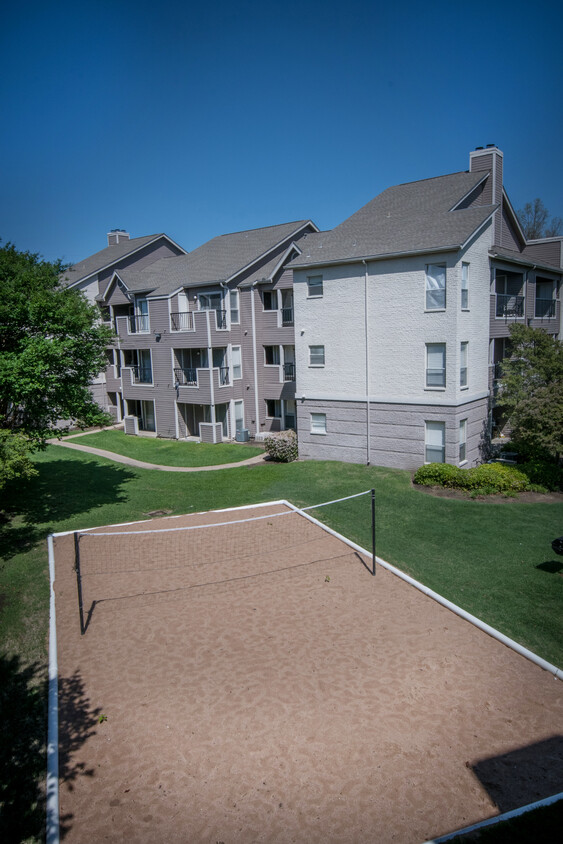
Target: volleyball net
[224, 548]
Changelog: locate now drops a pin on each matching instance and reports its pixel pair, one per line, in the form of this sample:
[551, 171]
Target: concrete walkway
[140, 464]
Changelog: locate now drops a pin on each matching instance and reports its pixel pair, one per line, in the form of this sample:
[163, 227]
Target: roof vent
[490, 145]
[479, 148]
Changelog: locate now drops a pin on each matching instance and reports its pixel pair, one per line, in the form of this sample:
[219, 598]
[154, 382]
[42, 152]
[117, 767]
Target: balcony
[508, 305]
[185, 377]
[221, 320]
[182, 321]
[224, 378]
[289, 372]
[141, 374]
[139, 324]
[287, 316]
[545, 308]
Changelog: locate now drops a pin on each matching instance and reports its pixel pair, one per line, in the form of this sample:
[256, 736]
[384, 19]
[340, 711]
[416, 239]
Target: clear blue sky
[199, 119]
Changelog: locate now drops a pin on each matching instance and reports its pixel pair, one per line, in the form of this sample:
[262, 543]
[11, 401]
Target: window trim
[440, 387]
[464, 353]
[462, 442]
[274, 294]
[272, 346]
[438, 308]
[319, 284]
[426, 444]
[318, 430]
[267, 408]
[234, 293]
[233, 348]
[317, 365]
[465, 285]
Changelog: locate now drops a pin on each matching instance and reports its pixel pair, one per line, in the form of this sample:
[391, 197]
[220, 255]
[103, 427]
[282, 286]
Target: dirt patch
[462, 495]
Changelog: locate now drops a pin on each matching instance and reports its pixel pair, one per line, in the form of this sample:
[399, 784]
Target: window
[318, 423]
[316, 355]
[214, 302]
[435, 442]
[237, 362]
[233, 296]
[545, 303]
[272, 355]
[462, 440]
[435, 287]
[270, 300]
[273, 408]
[314, 285]
[435, 364]
[463, 365]
[465, 287]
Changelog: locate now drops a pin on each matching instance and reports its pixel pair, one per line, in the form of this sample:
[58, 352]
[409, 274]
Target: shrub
[543, 474]
[438, 474]
[282, 447]
[487, 479]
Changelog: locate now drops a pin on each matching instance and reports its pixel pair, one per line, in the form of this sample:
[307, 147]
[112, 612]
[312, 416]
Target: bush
[543, 474]
[282, 447]
[487, 479]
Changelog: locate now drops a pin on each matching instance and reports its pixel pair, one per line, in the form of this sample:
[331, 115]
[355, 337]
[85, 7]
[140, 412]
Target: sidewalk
[140, 464]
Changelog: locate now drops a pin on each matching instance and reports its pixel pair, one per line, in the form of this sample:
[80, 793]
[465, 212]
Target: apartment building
[402, 314]
[204, 340]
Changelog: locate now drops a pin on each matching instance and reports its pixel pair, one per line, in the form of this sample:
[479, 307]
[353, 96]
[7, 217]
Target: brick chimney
[117, 236]
[490, 159]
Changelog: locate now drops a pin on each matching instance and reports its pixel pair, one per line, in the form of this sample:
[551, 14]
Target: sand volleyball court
[281, 693]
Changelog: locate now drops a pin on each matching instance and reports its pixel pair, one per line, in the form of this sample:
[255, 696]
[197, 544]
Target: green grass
[493, 558]
[169, 452]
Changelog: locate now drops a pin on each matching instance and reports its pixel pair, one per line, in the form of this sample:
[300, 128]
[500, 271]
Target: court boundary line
[53, 834]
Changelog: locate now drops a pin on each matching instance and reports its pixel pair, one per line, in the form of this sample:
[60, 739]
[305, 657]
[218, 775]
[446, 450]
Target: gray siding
[396, 432]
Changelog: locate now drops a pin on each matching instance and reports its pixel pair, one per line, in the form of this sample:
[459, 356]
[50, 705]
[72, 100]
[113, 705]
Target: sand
[314, 704]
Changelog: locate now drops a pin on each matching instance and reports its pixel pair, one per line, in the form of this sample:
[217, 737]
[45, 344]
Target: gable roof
[110, 255]
[408, 218]
[221, 259]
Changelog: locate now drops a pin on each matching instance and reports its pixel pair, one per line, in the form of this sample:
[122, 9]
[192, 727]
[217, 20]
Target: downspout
[231, 420]
[255, 362]
[210, 364]
[366, 328]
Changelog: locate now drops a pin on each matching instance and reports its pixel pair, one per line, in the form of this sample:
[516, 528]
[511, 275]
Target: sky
[201, 119]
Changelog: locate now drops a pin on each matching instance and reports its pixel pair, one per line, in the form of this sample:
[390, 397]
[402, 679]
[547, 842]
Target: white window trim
[273, 346]
[430, 387]
[315, 295]
[320, 432]
[281, 409]
[461, 345]
[464, 423]
[317, 365]
[466, 288]
[443, 307]
[239, 377]
[434, 422]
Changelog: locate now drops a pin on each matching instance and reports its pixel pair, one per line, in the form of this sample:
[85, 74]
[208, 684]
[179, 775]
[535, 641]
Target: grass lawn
[493, 558]
[169, 452]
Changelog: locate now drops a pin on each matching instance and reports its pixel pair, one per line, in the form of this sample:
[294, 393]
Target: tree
[532, 389]
[52, 344]
[534, 220]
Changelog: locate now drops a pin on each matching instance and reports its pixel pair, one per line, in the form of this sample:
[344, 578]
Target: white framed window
[316, 355]
[318, 423]
[236, 359]
[239, 415]
[273, 408]
[435, 287]
[314, 286]
[270, 300]
[464, 286]
[462, 440]
[272, 355]
[435, 442]
[463, 355]
[435, 364]
[234, 303]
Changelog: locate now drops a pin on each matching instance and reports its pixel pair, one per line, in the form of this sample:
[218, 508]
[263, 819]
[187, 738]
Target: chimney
[117, 236]
[490, 159]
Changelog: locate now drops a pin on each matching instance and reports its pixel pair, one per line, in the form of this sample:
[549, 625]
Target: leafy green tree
[532, 389]
[52, 344]
[534, 221]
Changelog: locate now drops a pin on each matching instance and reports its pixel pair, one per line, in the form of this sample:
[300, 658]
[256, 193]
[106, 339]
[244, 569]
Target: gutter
[366, 329]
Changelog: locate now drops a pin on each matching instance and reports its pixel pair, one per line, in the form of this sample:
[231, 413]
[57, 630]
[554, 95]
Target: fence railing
[509, 306]
[141, 374]
[289, 372]
[545, 308]
[185, 377]
[224, 378]
[139, 324]
[287, 316]
[182, 321]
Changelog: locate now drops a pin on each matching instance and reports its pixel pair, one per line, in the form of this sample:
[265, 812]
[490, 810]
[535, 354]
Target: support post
[79, 581]
[373, 529]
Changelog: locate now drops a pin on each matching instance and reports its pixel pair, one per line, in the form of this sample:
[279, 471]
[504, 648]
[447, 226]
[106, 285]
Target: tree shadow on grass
[62, 489]
[23, 720]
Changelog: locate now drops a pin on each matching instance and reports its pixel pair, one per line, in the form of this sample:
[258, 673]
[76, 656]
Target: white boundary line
[53, 727]
[497, 819]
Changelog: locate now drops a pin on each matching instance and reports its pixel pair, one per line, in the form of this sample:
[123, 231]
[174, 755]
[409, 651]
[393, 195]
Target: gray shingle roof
[413, 217]
[106, 257]
[220, 259]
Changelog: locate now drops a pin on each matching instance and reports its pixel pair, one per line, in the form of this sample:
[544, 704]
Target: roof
[523, 258]
[106, 257]
[412, 217]
[219, 260]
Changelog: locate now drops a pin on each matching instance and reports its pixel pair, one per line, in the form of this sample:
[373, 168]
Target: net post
[373, 529]
[78, 581]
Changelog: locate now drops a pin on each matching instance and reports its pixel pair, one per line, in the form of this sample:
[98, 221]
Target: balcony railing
[289, 372]
[224, 378]
[545, 308]
[182, 321]
[221, 319]
[287, 316]
[185, 377]
[141, 374]
[139, 324]
[509, 306]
